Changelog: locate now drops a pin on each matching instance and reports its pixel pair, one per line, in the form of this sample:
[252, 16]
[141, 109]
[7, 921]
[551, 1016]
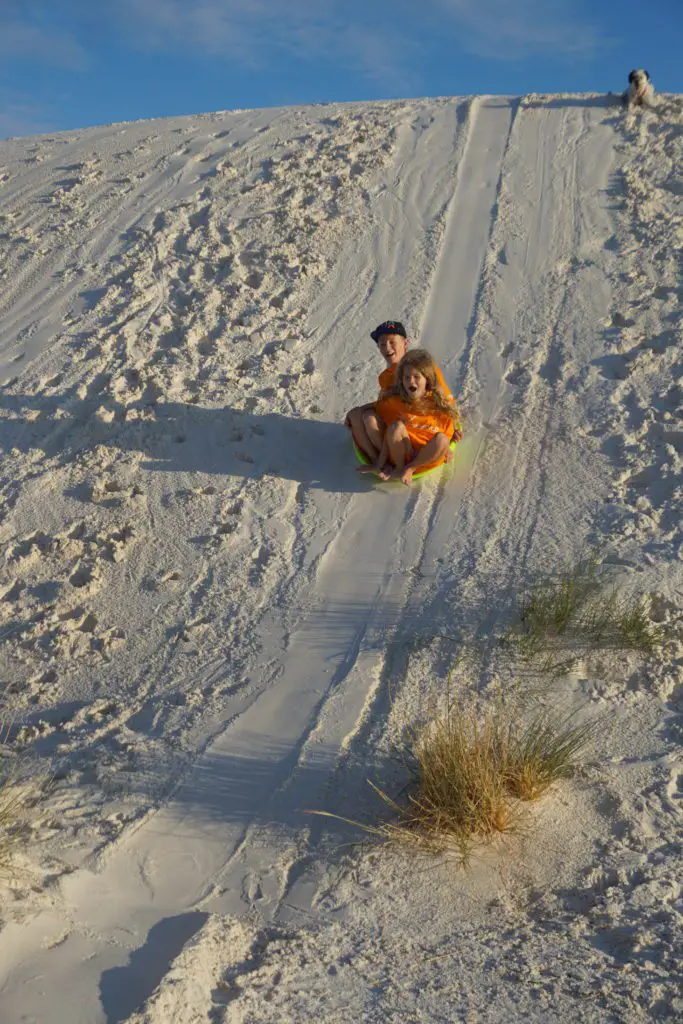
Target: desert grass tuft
[12, 826]
[543, 751]
[578, 610]
[16, 793]
[614, 620]
[554, 603]
[461, 790]
[474, 770]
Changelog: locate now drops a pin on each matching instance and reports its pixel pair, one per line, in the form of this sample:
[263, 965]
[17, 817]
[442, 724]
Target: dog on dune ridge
[640, 92]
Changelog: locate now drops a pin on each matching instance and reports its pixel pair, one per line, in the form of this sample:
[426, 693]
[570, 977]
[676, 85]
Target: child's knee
[371, 419]
[442, 443]
[397, 431]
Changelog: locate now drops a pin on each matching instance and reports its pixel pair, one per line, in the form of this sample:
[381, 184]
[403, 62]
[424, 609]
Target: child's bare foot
[386, 473]
[407, 475]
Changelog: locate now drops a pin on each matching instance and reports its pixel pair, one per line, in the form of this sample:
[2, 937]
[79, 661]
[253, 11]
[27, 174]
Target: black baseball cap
[388, 327]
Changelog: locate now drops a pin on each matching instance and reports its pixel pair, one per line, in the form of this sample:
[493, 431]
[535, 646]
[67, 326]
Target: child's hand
[457, 434]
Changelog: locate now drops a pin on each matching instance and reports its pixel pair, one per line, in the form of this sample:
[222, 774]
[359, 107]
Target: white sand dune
[211, 624]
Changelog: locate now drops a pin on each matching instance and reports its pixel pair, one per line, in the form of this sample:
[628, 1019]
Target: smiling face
[393, 348]
[414, 383]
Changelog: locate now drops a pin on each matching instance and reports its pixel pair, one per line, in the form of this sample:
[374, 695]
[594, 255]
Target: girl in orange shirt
[421, 420]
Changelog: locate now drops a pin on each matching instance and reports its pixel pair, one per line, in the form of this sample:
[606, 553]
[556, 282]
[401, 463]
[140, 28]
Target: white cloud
[348, 29]
[19, 116]
[22, 39]
[512, 29]
[252, 33]
[249, 32]
[377, 39]
[241, 29]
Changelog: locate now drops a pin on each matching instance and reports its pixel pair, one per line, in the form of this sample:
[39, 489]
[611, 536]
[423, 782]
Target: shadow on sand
[221, 792]
[124, 989]
[185, 438]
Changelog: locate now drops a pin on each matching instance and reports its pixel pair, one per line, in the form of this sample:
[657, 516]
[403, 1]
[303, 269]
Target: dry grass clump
[554, 603]
[579, 609]
[11, 824]
[14, 795]
[462, 787]
[542, 752]
[474, 771]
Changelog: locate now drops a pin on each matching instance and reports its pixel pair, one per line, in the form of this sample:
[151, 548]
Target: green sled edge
[364, 461]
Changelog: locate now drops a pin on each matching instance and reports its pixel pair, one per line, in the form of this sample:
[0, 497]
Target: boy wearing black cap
[363, 422]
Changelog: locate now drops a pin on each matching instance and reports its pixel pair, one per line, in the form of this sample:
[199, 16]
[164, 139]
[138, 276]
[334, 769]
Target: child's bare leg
[437, 447]
[374, 428]
[354, 421]
[399, 447]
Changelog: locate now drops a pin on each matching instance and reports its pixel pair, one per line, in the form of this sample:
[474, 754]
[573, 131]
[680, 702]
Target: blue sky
[72, 63]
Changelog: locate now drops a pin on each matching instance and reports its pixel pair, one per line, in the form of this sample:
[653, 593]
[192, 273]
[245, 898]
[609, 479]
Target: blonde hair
[434, 400]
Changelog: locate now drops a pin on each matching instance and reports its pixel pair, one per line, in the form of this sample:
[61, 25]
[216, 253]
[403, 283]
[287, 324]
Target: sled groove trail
[519, 447]
[449, 307]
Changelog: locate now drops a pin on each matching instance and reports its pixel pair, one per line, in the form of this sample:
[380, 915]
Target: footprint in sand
[518, 374]
[13, 592]
[35, 546]
[84, 576]
[619, 320]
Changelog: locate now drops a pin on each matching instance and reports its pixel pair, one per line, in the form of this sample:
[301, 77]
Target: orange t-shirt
[421, 427]
[387, 379]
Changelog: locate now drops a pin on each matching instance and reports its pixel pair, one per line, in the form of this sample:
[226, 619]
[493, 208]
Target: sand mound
[209, 623]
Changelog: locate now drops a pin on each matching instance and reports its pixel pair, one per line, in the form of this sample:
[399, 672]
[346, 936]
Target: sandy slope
[210, 624]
